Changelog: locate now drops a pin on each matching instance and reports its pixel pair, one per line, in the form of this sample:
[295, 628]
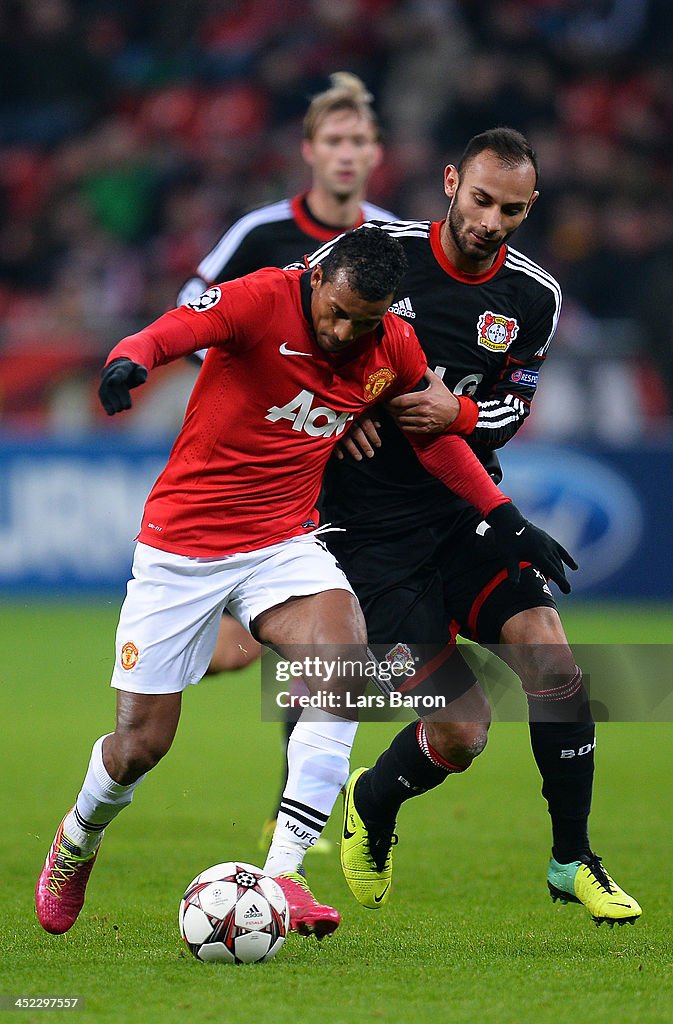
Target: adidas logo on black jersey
[403, 307]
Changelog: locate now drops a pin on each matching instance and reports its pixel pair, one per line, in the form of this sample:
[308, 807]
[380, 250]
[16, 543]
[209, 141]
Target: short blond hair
[346, 92]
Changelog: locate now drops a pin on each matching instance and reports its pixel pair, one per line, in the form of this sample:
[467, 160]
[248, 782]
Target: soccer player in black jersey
[342, 147]
[418, 559]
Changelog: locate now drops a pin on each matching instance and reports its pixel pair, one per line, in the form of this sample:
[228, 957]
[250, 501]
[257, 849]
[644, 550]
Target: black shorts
[426, 586]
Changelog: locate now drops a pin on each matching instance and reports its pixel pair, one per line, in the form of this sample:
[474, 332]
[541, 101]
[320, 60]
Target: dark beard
[456, 224]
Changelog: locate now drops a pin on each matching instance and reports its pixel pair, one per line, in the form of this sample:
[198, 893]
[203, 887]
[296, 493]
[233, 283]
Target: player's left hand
[517, 540]
[117, 378]
[425, 412]
[361, 440]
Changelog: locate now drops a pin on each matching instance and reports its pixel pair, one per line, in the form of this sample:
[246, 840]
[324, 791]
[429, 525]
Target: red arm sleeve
[466, 420]
[406, 354]
[452, 461]
[168, 338]
[236, 309]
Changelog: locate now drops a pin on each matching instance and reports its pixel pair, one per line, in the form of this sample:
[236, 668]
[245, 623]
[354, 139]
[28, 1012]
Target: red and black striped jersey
[487, 336]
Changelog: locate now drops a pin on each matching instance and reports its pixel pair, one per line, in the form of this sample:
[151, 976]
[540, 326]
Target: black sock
[563, 737]
[407, 768]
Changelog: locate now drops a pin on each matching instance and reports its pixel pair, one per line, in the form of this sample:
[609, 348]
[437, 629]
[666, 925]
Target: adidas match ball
[233, 913]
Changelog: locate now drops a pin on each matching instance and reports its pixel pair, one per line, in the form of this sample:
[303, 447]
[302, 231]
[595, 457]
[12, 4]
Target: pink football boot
[61, 887]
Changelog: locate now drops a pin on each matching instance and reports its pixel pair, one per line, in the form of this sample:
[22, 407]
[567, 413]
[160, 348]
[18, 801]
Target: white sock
[99, 801]
[318, 757]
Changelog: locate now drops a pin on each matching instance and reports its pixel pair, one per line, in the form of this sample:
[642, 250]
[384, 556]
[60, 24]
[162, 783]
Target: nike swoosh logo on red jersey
[285, 351]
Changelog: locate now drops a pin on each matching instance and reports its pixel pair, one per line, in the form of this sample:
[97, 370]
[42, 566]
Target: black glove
[116, 381]
[516, 540]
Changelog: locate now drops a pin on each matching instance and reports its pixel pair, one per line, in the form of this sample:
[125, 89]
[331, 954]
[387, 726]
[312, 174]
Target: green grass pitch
[470, 934]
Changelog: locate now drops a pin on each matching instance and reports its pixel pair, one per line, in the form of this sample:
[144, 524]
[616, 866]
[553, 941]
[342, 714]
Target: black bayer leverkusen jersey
[273, 235]
[487, 336]
[270, 236]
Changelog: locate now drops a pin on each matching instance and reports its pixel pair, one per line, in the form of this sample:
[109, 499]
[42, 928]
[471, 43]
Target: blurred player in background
[485, 315]
[342, 146]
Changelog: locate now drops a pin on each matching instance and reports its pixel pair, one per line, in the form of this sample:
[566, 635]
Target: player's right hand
[430, 410]
[117, 379]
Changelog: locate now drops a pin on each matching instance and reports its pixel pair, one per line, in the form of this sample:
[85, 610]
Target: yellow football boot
[366, 853]
[586, 881]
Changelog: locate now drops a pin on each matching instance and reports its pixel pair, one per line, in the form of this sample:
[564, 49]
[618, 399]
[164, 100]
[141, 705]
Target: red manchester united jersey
[265, 414]
[267, 409]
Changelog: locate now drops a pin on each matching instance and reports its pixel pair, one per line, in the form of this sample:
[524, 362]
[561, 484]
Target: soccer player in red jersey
[341, 145]
[293, 357]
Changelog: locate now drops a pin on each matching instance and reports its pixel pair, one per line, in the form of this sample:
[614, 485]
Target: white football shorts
[169, 619]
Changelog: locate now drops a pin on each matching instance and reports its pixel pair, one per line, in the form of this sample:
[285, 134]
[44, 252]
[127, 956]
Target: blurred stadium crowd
[133, 133]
